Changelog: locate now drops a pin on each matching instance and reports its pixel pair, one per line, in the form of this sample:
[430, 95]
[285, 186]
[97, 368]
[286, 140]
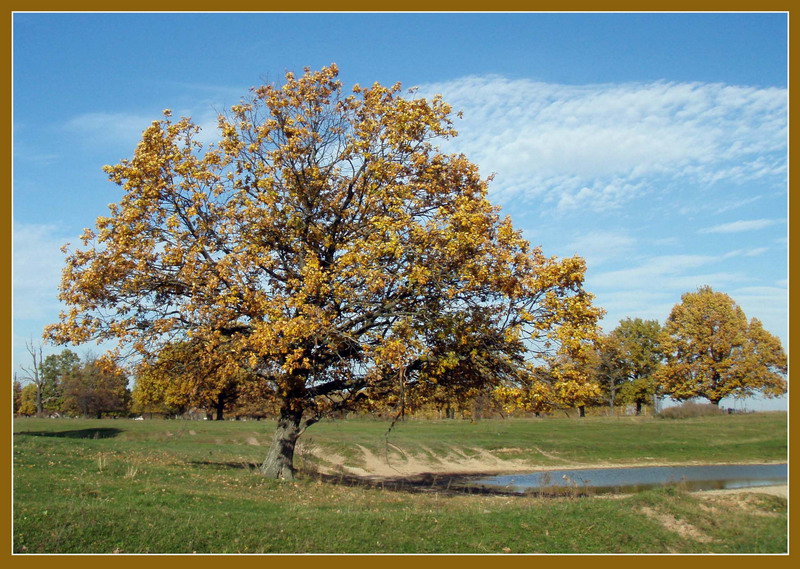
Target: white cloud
[645, 304]
[741, 225]
[36, 270]
[753, 252]
[599, 146]
[737, 204]
[676, 272]
[573, 146]
[109, 128]
[599, 247]
[36, 274]
[656, 269]
[125, 129]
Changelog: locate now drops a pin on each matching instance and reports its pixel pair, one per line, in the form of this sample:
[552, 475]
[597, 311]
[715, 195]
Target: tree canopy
[326, 244]
[629, 357]
[94, 388]
[186, 374]
[712, 351]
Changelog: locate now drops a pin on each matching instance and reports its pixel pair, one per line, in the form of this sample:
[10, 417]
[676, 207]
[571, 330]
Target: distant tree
[256, 399]
[342, 256]
[536, 396]
[574, 381]
[154, 391]
[16, 394]
[27, 400]
[46, 391]
[640, 392]
[55, 370]
[712, 351]
[611, 367]
[97, 387]
[190, 374]
[142, 405]
[629, 357]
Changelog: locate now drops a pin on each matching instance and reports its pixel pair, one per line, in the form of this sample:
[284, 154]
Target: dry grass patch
[753, 503]
[673, 524]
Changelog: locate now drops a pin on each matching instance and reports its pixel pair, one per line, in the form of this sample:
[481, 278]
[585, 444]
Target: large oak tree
[332, 249]
[712, 351]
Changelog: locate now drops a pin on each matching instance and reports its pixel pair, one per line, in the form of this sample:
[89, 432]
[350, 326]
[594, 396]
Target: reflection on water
[602, 480]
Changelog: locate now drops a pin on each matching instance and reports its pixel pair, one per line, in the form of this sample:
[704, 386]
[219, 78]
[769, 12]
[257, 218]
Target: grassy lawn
[553, 441]
[178, 486]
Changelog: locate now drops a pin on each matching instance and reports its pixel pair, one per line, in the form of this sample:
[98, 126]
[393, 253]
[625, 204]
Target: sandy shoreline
[397, 464]
[776, 490]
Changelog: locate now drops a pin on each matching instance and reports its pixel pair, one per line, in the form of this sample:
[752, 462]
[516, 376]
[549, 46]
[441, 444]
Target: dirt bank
[776, 490]
[395, 463]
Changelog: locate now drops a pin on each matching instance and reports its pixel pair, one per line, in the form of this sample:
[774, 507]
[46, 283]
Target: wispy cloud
[599, 247]
[753, 252]
[101, 128]
[36, 273]
[741, 225]
[671, 272]
[737, 204]
[599, 146]
[36, 270]
[125, 129]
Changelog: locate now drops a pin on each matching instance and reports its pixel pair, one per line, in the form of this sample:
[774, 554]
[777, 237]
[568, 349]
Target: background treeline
[707, 349]
[64, 385]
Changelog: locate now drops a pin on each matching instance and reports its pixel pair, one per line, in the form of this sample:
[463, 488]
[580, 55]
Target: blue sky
[654, 145]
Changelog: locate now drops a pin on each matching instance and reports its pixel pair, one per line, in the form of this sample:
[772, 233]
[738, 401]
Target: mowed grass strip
[183, 487]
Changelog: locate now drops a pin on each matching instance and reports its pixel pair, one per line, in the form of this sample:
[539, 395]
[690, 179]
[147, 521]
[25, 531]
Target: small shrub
[690, 410]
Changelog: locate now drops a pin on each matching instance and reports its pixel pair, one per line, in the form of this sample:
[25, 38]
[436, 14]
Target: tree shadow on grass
[447, 484]
[99, 433]
[225, 465]
[417, 483]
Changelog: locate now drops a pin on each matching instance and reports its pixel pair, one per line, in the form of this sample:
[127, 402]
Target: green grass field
[89, 486]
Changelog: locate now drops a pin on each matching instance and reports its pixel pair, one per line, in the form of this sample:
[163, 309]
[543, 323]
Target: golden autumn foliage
[712, 351]
[188, 375]
[534, 396]
[334, 250]
[27, 400]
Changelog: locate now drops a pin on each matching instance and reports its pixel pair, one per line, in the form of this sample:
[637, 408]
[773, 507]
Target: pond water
[605, 480]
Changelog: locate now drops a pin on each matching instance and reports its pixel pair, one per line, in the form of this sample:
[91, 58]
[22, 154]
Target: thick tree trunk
[638, 408]
[280, 458]
[581, 410]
